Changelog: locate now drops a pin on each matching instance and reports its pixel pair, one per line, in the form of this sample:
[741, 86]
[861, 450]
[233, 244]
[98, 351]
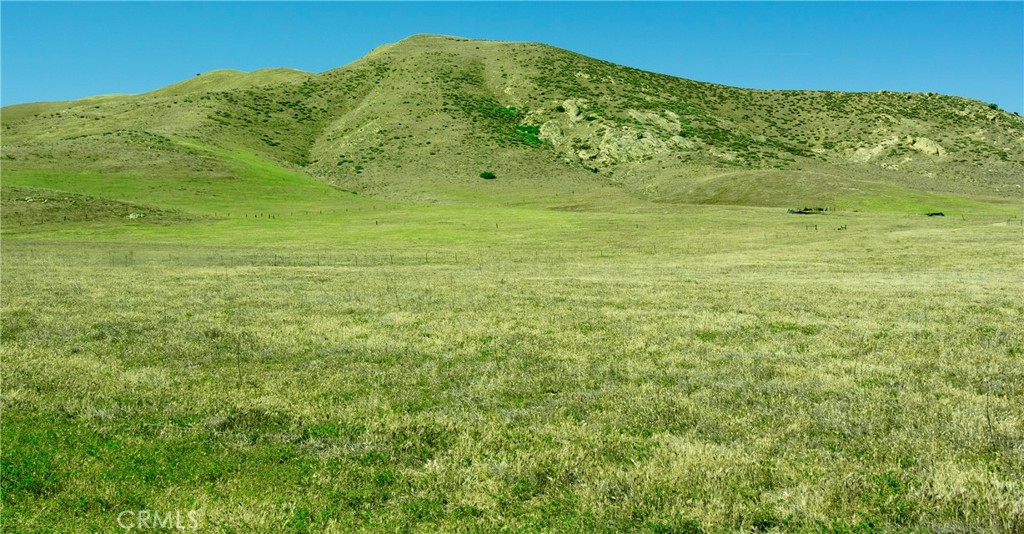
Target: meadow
[371, 366]
[476, 286]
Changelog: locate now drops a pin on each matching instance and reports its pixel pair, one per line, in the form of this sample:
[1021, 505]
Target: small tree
[488, 175]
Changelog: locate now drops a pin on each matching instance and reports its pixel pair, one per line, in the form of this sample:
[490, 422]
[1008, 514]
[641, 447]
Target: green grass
[528, 134]
[249, 185]
[704, 370]
[901, 199]
[288, 302]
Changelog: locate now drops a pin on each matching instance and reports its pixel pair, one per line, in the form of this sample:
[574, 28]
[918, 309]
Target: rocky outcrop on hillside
[584, 137]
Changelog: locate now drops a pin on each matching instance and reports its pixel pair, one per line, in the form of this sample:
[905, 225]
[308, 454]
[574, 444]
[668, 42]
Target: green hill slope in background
[420, 119]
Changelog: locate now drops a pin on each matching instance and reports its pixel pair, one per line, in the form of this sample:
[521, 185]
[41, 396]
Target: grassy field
[288, 302]
[349, 364]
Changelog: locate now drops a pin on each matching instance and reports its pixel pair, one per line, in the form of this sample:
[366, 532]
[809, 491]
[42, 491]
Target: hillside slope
[422, 118]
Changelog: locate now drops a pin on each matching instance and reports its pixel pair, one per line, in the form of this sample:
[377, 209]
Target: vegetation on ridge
[403, 121]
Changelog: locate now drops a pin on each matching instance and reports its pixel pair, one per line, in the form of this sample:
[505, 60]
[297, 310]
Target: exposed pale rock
[927, 146]
[682, 142]
[572, 110]
[668, 123]
[550, 131]
[866, 154]
[627, 145]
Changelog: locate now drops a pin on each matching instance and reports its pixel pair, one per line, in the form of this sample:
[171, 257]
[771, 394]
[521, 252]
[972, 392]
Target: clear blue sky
[62, 51]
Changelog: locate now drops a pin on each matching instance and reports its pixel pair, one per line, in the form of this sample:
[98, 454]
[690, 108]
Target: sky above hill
[64, 51]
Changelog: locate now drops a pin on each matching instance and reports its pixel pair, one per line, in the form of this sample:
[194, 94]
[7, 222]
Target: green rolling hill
[420, 119]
